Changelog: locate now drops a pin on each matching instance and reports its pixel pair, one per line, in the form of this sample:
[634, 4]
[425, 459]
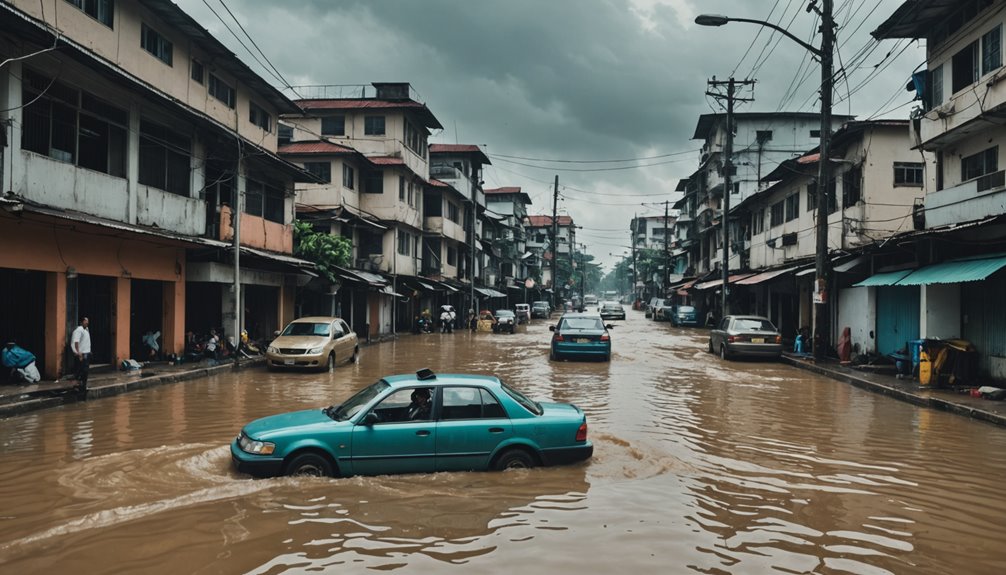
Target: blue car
[416, 423]
[685, 315]
[580, 334]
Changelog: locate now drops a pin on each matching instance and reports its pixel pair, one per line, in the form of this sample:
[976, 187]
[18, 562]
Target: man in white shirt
[80, 345]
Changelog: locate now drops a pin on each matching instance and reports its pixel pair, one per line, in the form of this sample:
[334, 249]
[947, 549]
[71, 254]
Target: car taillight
[731, 339]
[605, 337]
[778, 339]
[581, 434]
[556, 337]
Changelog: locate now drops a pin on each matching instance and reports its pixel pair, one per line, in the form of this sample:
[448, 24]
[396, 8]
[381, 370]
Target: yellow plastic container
[925, 369]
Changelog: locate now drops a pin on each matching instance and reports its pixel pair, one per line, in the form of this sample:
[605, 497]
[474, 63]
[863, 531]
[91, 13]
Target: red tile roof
[468, 149]
[386, 161]
[371, 104]
[315, 147]
[546, 221]
[503, 190]
[437, 183]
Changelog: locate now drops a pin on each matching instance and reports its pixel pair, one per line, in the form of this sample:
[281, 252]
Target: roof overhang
[916, 18]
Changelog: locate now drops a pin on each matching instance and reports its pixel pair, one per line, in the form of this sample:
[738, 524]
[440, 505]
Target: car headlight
[249, 445]
[272, 349]
[315, 350]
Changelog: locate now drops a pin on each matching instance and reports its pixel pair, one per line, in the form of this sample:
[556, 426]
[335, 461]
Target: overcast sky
[575, 80]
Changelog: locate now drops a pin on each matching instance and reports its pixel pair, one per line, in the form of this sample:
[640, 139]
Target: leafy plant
[322, 249]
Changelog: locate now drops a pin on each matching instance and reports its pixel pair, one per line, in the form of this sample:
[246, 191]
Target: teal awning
[883, 279]
[960, 271]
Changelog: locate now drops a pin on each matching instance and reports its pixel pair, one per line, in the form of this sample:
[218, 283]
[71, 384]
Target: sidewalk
[18, 399]
[907, 390]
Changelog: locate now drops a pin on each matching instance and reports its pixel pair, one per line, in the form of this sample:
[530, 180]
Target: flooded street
[699, 466]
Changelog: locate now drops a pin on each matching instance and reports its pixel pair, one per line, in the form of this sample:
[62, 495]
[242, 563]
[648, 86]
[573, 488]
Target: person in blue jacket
[20, 361]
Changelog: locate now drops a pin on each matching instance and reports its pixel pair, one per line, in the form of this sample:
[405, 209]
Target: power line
[594, 161]
[285, 82]
[615, 169]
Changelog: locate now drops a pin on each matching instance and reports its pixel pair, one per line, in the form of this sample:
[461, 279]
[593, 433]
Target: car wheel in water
[330, 366]
[711, 346]
[356, 355]
[309, 464]
[514, 459]
[723, 352]
[552, 355]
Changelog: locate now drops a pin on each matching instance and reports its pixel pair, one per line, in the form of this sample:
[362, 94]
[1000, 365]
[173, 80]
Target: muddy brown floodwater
[699, 466]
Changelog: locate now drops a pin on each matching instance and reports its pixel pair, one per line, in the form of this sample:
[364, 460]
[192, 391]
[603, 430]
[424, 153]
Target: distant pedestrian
[212, 348]
[80, 345]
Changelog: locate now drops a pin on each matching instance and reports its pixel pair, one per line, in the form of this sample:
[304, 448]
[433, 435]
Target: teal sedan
[416, 423]
[580, 334]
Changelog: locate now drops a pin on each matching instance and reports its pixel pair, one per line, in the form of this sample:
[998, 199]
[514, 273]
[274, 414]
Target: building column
[55, 324]
[285, 310]
[173, 322]
[120, 319]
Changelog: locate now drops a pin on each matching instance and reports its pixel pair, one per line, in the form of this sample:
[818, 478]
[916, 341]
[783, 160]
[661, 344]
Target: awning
[489, 292]
[370, 278]
[719, 282]
[683, 288]
[959, 271]
[883, 279]
[806, 271]
[851, 264]
[388, 291]
[763, 277]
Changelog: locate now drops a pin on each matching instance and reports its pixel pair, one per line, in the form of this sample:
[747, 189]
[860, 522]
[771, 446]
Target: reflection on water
[699, 465]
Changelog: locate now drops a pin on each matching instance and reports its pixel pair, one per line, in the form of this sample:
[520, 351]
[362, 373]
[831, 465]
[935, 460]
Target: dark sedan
[745, 335]
[612, 310]
[685, 315]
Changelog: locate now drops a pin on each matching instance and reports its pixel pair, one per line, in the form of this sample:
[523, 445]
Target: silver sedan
[745, 335]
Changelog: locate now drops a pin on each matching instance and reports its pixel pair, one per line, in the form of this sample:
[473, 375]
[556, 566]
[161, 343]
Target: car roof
[503, 310]
[748, 317]
[593, 315]
[315, 319]
[411, 379]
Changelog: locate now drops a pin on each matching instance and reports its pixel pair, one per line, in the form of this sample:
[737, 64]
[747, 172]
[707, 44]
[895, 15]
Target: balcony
[959, 117]
[972, 200]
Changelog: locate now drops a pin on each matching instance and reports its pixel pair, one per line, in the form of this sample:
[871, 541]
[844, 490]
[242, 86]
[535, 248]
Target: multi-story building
[877, 182]
[376, 144]
[132, 134]
[539, 245]
[507, 237]
[762, 140]
[951, 283]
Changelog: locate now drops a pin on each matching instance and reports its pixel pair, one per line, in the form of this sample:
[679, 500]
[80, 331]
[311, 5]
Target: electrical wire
[594, 161]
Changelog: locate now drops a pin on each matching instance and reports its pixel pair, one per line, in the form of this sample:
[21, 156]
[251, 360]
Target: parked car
[663, 310]
[745, 335]
[541, 309]
[589, 300]
[506, 321]
[648, 309]
[313, 342]
[612, 310]
[523, 312]
[580, 334]
[415, 423]
[685, 315]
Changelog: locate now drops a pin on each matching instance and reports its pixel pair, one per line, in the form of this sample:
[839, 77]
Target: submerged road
[699, 466]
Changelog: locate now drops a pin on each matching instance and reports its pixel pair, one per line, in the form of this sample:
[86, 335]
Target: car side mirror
[609, 326]
[370, 419]
[551, 328]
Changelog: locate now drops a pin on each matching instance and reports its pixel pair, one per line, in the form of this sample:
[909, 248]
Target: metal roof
[460, 149]
[916, 18]
[953, 272]
[883, 279]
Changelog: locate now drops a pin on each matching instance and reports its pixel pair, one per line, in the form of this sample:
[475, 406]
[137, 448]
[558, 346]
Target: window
[979, 164]
[832, 196]
[259, 117]
[411, 193]
[373, 183]
[763, 136]
[965, 67]
[285, 134]
[347, 177]
[815, 133]
[100, 10]
[908, 173]
[164, 158]
[155, 44]
[222, 91]
[758, 222]
[265, 200]
[415, 140]
[321, 169]
[73, 126]
[937, 86]
[852, 187]
[792, 207]
[467, 403]
[992, 56]
[777, 214]
[811, 196]
[401, 188]
[198, 73]
[333, 126]
[452, 212]
[452, 256]
[404, 243]
[373, 125]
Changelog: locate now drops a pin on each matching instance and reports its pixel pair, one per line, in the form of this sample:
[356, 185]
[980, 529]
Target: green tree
[322, 249]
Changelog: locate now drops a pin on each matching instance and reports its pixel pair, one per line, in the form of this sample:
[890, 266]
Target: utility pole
[728, 172]
[555, 242]
[239, 192]
[821, 262]
[632, 243]
[667, 254]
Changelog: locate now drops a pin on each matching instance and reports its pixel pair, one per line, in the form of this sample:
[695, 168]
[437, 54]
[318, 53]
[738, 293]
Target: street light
[825, 55]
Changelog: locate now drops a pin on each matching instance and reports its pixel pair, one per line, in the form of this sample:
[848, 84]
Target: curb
[70, 395]
[921, 400]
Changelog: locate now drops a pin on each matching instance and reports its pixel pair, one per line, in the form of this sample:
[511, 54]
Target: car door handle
[422, 433]
[495, 430]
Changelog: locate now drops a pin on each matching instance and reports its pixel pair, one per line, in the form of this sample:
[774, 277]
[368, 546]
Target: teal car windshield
[354, 404]
[522, 399]
[581, 323]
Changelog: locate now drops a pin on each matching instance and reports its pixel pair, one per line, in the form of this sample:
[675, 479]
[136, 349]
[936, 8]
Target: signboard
[820, 291]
